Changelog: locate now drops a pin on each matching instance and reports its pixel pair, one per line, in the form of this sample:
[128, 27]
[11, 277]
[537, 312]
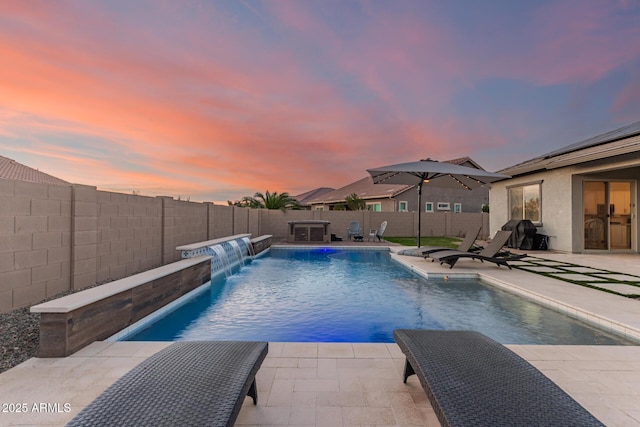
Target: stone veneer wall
[64, 331]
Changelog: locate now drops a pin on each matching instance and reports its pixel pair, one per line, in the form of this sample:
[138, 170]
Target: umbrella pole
[419, 211]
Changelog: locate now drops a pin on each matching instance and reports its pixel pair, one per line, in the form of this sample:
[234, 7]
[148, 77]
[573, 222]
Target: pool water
[330, 295]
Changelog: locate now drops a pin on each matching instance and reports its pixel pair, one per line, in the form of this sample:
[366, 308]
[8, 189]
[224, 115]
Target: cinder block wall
[182, 223]
[398, 223]
[220, 221]
[460, 222]
[35, 242]
[274, 222]
[129, 235]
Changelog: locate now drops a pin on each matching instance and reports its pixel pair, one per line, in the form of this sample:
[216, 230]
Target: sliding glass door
[607, 215]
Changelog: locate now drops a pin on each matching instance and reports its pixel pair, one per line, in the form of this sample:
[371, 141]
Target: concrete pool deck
[336, 384]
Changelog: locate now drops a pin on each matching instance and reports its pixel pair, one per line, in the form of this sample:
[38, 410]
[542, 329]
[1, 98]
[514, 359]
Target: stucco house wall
[561, 199]
[557, 200]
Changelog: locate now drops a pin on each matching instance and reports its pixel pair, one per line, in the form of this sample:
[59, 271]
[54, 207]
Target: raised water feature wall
[227, 252]
[70, 323]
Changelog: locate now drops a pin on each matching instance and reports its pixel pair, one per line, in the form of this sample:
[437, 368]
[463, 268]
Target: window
[428, 207]
[444, 206]
[375, 207]
[403, 206]
[457, 207]
[524, 202]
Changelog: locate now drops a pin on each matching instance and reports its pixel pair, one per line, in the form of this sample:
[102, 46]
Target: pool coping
[85, 297]
[198, 245]
[333, 248]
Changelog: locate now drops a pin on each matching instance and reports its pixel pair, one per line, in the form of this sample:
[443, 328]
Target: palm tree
[273, 200]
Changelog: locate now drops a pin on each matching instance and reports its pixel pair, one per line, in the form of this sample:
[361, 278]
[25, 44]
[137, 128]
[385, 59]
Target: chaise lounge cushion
[187, 383]
[472, 380]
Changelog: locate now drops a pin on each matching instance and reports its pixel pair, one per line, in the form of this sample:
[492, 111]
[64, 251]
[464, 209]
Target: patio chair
[380, 233]
[490, 253]
[187, 383]
[466, 245]
[354, 230]
[471, 379]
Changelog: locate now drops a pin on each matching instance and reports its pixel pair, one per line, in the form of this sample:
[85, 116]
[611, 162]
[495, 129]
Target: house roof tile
[304, 198]
[10, 169]
[364, 188]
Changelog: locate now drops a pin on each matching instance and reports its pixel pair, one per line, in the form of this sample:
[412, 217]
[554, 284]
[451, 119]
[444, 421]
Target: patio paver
[331, 391]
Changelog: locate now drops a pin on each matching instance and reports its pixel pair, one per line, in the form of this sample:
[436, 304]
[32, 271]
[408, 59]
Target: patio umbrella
[434, 173]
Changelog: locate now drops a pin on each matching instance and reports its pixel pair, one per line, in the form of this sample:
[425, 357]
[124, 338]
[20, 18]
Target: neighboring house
[378, 197]
[304, 198]
[584, 195]
[10, 169]
[404, 198]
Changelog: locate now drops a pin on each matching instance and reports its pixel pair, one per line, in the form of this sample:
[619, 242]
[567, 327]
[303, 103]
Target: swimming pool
[332, 295]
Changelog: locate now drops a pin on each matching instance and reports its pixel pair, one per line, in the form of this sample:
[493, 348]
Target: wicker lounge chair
[465, 246]
[472, 380]
[187, 383]
[490, 253]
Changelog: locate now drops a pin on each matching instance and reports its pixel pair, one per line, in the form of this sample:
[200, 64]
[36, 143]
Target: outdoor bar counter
[308, 231]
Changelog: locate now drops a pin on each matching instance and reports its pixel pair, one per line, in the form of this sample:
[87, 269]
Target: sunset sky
[215, 100]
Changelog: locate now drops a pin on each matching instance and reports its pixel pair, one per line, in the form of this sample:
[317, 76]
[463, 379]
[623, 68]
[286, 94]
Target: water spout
[238, 252]
[220, 260]
[247, 242]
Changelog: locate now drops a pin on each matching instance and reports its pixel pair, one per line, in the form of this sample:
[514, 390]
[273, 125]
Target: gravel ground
[20, 334]
[19, 338]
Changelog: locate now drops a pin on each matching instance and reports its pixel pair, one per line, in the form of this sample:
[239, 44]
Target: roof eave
[595, 152]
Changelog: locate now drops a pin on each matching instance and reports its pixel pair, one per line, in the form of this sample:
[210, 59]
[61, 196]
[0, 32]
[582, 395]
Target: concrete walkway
[336, 384]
